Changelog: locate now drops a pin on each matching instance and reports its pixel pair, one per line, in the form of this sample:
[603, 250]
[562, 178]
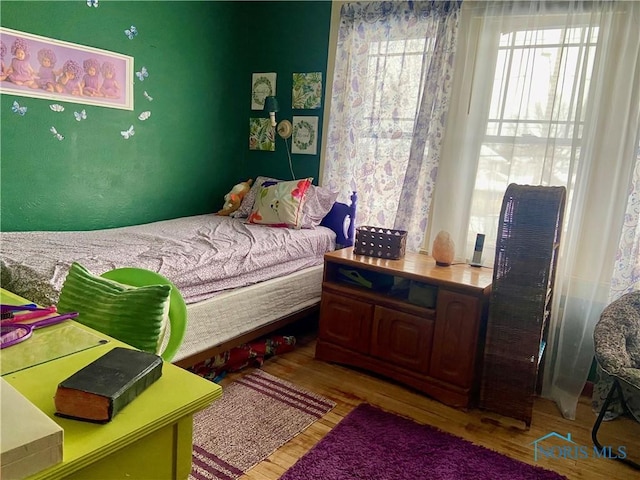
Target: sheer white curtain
[548, 93]
[389, 101]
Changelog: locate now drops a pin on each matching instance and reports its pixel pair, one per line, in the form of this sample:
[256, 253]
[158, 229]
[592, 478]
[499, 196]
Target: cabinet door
[402, 339]
[455, 338]
[345, 321]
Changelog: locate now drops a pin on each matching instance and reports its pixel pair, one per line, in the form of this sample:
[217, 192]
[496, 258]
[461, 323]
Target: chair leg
[615, 388]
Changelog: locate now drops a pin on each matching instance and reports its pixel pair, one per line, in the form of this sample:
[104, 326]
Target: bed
[240, 280]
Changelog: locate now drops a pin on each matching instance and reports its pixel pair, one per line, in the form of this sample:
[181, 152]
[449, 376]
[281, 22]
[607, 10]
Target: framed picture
[40, 67]
[262, 86]
[305, 135]
[261, 134]
[306, 92]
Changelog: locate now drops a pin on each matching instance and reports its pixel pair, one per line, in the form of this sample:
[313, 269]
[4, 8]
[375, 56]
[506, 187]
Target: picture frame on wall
[41, 67]
[305, 135]
[261, 135]
[263, 85]
[306, 92]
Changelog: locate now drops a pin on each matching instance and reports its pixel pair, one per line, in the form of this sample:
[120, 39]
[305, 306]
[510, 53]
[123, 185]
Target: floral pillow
[281, 204]
[318, 202]
[246, 206]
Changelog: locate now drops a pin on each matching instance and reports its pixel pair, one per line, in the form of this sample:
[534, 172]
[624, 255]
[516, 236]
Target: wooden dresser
[410, 320]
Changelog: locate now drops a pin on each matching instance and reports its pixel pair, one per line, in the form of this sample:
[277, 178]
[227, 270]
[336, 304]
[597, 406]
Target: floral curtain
[626, 273]
[626, 278]
[547, 93]
[391, 88]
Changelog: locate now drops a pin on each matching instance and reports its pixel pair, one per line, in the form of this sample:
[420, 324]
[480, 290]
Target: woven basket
[380, 242]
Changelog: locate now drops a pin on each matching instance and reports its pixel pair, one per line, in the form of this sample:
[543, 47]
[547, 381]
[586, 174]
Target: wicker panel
[528, 317]
[529, 226]
[513, 343]
[513, 398]
[523, 377]
[529, 231]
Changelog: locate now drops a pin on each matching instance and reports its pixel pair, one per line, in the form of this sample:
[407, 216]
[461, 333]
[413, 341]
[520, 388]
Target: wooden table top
[419, 267]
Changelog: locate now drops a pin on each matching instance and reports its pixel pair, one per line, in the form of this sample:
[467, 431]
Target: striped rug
[257, 414]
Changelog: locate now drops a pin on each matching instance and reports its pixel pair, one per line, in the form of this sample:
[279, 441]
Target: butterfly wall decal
[16, 108]
[131, 32]
[56, 134]
[147, 96]
[144, 115]
[56, 107]
[142, 74]
[80, 115]
[126, 134]
[92, 3]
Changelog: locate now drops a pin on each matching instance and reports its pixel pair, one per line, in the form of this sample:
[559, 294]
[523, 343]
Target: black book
[97, 392]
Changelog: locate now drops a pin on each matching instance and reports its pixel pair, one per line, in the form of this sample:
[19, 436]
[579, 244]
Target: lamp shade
[271, 104]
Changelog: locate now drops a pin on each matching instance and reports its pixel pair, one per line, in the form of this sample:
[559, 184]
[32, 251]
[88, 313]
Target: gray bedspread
[201, 255]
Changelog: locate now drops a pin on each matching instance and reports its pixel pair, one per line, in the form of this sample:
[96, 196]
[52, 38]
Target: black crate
[380, 242]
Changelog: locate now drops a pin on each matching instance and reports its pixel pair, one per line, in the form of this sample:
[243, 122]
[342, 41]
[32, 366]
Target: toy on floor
[251, 354]
[233, 199]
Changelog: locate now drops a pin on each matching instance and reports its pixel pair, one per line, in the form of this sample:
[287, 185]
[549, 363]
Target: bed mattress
[202, 255]
[236, 312]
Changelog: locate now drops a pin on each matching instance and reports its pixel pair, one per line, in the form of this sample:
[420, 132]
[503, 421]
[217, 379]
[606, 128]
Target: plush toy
[233, 199]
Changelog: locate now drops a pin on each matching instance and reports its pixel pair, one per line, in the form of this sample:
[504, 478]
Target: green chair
[140, 277]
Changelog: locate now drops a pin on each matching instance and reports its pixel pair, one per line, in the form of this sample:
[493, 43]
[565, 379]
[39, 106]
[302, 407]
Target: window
[389, 94]
[515, 92]
[392, 91]
[536, 116]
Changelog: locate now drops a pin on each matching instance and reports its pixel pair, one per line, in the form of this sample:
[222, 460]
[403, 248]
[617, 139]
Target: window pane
[535, 119]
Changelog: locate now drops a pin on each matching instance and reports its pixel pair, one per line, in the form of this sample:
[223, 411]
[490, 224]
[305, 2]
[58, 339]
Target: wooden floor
[349, 387]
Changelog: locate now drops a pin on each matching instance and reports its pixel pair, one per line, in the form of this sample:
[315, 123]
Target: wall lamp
[283, 127]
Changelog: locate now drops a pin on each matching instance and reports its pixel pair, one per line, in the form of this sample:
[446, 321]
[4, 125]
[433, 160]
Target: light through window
[535, 118]
[392, 90]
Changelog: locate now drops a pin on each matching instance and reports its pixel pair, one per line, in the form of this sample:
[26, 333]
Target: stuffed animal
[233, 199]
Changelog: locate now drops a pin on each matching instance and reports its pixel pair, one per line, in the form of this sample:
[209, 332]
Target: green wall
[181, 161]
[287, 38]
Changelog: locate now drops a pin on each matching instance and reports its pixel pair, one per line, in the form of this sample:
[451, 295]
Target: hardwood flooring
[349, 387]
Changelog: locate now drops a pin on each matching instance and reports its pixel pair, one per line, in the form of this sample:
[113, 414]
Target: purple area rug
[370, 443]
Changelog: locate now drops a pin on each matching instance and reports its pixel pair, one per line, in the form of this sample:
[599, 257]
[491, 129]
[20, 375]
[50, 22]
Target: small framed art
[305, 135]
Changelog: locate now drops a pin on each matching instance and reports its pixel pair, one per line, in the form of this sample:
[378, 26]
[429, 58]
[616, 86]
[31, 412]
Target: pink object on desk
[16, 333]
[30, 315]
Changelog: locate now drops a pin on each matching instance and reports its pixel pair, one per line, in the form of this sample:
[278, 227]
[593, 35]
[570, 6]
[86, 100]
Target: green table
[151, 438]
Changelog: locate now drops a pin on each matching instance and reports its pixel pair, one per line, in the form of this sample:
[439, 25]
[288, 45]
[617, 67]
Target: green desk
[150, 439]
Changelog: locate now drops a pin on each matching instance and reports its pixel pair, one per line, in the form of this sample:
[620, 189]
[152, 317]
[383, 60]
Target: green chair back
[140, 277]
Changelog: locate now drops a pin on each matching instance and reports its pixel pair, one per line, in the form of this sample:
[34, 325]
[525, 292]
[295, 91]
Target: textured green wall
[200, 56]
[287, 38]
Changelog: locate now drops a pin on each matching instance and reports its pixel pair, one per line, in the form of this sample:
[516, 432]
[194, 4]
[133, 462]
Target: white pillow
[316, 206]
